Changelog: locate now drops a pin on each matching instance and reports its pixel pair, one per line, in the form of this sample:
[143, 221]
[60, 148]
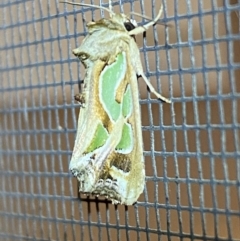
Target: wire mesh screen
[191, 147]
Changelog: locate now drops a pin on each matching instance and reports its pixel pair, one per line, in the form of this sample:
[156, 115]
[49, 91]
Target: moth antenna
[95, 6]
[148, 18]
[143, 28]
[153, 21]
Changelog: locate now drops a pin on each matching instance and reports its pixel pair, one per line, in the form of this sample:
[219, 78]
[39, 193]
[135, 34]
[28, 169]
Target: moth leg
[152, 89]
[142, 29]
[137, 65]
[80, 98]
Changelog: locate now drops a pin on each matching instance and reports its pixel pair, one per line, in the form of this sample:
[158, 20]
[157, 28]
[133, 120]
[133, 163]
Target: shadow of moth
[107, 157]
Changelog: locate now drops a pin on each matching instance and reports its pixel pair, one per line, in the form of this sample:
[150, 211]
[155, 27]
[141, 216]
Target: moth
[107, 158]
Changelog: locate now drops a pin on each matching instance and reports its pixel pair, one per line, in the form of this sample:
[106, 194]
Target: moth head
[122, 19]
[130, 24]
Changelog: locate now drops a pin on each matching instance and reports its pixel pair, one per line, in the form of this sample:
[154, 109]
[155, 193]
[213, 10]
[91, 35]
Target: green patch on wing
[126, 143]
[99, 139]
[110, 79]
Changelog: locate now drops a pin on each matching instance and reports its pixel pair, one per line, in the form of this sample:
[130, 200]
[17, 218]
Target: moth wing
[108, 152]
[125, 164]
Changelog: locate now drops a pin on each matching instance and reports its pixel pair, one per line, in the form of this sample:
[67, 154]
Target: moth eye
[83, 56]
[129, 26]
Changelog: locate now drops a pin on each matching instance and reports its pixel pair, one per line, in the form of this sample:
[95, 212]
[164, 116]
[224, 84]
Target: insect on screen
[191, 146]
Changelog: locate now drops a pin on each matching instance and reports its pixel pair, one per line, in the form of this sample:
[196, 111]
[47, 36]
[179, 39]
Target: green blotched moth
[107, 157]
